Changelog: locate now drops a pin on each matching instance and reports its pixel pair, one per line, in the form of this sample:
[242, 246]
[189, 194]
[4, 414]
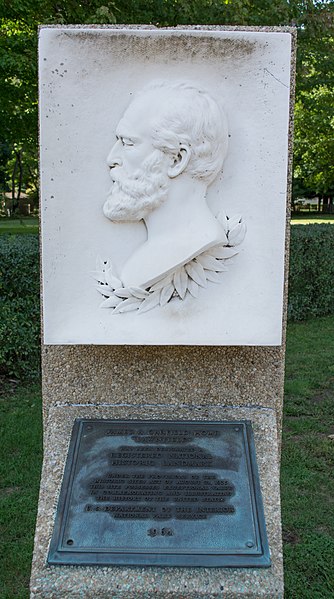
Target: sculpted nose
[114, 156]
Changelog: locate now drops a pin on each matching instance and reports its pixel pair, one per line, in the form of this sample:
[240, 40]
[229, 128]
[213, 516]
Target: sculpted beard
[132, 197]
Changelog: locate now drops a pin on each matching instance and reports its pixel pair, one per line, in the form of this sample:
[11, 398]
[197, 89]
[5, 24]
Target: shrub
[311, 288]
[19, 306]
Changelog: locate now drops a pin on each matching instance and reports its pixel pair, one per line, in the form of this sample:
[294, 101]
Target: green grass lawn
[20, 464]
[29, 224]
[307, 469]
[307, 479]
[26, 224]
[307, 218]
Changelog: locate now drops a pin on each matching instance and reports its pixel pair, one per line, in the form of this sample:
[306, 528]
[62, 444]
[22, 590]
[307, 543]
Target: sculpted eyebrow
[124, 135]
[127, 139]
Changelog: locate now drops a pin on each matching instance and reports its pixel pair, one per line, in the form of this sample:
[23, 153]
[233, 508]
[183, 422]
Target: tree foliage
[19, 20]
[314, 113]
[18, 105]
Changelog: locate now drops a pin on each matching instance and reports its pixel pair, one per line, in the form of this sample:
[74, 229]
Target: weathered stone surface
[196, 376]
[203, 116]
[145, 583]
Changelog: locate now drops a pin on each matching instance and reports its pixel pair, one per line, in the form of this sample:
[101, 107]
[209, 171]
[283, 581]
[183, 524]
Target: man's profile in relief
[170, 145]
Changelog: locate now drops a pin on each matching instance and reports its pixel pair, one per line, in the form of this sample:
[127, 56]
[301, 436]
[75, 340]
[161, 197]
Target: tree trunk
[14, 202]
[17, 165]
[326, 204]
[19, 159]
[33, 177]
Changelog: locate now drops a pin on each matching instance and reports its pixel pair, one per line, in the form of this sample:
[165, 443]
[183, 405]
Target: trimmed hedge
[19, 306]
[311, 278]
[311, 291]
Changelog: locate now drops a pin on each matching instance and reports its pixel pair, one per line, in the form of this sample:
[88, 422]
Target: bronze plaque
[166, 493]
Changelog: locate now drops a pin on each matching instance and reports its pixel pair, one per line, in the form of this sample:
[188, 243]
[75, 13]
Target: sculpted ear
[180, 161]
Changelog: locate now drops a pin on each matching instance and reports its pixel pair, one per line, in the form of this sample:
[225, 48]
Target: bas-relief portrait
[142, 154]
[171, 144]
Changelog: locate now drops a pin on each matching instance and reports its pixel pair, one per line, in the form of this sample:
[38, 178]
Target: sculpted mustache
[130, 188]
[137, 186]
[123, 181]
[150, 168]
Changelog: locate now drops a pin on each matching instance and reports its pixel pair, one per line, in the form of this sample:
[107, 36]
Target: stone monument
[165, 177]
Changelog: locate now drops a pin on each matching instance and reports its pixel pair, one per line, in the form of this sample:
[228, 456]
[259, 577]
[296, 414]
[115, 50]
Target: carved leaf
[162, 283]
[221, 266]
[196, 272]
[123, 292]
[224, 220]
[180, 281]
[150, 302]
[215, 277]
[138, 292]
[128, 305]
[209, 262]
[223, 252]
[112, 281]
[234, 220]
[237, 234]
[99, 276]
[208, 266]
[111, 302]
[104, 290]
[206, 261]
[193, 288]
[166, 294]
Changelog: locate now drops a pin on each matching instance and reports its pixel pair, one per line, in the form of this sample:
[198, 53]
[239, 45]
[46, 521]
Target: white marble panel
[149, 138]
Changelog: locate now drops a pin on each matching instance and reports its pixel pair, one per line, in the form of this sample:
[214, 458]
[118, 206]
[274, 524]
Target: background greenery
[19, 305]
[20, 466]
[311, 276]
[307, 484]
[314, 120]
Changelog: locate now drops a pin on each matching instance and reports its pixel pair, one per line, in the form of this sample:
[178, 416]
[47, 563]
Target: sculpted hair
[191, 116]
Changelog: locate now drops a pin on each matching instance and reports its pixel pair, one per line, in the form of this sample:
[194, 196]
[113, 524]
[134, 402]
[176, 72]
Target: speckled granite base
[197, 376]
[55, 582]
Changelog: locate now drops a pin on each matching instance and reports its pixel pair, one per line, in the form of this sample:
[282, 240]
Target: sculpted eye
[126, 142]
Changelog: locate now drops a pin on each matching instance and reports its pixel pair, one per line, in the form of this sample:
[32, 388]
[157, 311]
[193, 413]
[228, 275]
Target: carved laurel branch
[188, 278]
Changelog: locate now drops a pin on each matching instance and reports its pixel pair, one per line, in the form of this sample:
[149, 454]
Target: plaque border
[67, 556]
